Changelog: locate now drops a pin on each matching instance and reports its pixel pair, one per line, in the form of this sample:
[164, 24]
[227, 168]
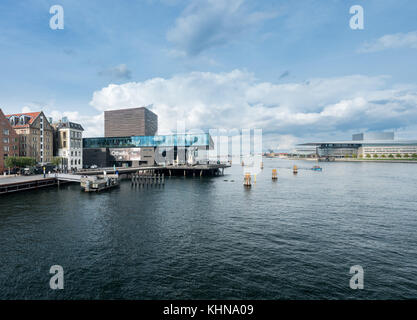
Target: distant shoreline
[360, 160]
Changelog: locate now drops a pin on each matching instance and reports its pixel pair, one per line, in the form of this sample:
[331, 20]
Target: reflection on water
[205, 238]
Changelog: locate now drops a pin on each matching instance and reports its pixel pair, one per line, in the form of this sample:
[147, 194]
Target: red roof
[33, 116]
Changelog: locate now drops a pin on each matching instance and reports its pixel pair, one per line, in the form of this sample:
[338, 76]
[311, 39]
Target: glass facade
[180, 140]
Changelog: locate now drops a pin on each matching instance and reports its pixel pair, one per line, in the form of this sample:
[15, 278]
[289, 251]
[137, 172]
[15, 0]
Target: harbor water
[212, 238]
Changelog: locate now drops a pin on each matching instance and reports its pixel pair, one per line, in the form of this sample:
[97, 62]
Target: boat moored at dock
[99, 183]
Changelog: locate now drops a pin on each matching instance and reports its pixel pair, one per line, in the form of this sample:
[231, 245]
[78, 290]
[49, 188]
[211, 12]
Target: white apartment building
[69, 144]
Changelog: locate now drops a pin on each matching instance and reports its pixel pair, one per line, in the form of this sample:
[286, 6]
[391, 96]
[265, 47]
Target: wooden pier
[180, 170]
[147, 179]
[139, 176]
[16, 185]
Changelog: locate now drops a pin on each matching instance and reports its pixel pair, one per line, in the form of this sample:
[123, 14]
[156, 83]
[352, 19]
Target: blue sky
[293, 68]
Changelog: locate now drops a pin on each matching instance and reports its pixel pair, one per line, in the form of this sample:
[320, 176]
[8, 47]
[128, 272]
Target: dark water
[204, 239]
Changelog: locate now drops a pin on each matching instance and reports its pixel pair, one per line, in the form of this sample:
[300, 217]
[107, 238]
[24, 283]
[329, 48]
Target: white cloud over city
[286, 112]
[391, 41]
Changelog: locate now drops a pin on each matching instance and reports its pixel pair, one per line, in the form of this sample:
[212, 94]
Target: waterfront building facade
[68, 144]
[35, 135]
[9, 141]
[130, 122]
[147, 150]
[369, 145]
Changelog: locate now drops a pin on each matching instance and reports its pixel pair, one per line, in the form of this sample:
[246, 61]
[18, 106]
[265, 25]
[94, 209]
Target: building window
[6, 132]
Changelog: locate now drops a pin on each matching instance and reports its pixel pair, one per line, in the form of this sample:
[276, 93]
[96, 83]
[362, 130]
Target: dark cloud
[284, 74]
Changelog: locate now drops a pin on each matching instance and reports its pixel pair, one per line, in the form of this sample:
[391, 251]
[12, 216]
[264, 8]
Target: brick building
[9, 141]
[35, 135]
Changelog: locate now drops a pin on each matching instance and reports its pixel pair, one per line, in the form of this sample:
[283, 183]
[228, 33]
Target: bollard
[247, 180]
[262, 165]
[295, 169]
[274, 174]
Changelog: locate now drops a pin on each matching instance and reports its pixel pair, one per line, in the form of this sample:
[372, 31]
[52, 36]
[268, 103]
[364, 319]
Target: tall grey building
[130, 122]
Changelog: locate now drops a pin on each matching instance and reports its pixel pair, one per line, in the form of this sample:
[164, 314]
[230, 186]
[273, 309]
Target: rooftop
[32, 116]
[363, 142]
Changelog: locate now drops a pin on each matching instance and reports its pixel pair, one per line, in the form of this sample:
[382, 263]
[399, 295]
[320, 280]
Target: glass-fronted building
[177, 140]
[147, 150]
[362, 146]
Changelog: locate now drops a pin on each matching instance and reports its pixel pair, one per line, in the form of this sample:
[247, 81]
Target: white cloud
[391, 41]
[93, 125]
[118, 72]
[208, 23]
[238, 100]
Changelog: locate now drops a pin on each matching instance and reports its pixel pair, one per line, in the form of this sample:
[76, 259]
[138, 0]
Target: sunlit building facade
[375, 145]
[147, 150]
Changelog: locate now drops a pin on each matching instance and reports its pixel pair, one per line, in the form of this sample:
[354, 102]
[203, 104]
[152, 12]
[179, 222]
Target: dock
[172, 170]
[138, 175]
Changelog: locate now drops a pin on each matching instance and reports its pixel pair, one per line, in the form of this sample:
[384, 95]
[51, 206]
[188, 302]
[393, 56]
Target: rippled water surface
[209, 238]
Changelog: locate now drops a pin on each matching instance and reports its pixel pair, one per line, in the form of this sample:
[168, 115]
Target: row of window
[7, 148]
[75, 162]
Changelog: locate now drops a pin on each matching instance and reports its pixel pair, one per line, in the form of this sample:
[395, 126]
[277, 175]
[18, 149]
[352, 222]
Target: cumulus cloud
[208, 23]
[118, 72]
[391, 41]
[93, 125]
[237, 99]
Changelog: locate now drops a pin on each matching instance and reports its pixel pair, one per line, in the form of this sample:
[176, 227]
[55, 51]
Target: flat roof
[364, 142]
[180, 140]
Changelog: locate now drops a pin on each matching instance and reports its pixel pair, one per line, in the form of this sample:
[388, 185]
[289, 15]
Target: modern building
[35, 135]
[9, 141]
[374, 144]
[147, 150]
[130, 122]
[68, 144]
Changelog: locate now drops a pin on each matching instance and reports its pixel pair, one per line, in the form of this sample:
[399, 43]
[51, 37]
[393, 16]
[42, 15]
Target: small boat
[317, 168]
[99, 183]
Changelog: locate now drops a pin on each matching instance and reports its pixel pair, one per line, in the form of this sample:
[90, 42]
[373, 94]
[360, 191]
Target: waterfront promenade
[9, 184]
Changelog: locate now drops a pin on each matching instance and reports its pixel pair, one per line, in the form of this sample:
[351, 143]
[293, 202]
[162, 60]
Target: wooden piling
[247, 180]
[295, 169]
[274, 174]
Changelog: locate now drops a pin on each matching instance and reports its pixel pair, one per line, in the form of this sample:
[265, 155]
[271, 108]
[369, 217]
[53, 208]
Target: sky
[295, 69]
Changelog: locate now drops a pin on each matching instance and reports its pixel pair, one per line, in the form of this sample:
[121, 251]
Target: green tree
[406, 155]
[390, 156]
[414, 155]
[56, 161]
[375, 156]
[10, 162]
[368, 155]
[383, 156]
[398, 155]
[19, 162]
